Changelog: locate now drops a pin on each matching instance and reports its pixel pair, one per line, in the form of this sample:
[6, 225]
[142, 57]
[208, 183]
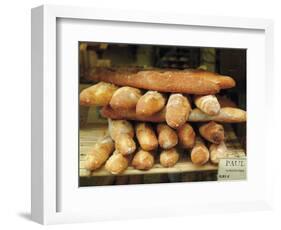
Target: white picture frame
[55, 29]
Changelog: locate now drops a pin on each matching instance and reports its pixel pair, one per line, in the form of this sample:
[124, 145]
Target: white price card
[232, 169]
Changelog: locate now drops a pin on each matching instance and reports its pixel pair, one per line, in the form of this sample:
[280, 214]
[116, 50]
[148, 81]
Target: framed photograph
[140, 114]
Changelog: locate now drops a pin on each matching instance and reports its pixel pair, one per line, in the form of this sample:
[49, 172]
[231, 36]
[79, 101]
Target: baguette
[226, 115]
[125, 144]
[117, 163]
[146, 137]
[99, 94]
[143, 160]
[117, 127]
[208, 104]
[168, 158]
[217, 152]
[108, 112]
[150, 103]
[175, 81]
[125, 98]
[186, 136]
[212, 132]
[177, 110]
[199, 154]
[99, 154]
[167, 137]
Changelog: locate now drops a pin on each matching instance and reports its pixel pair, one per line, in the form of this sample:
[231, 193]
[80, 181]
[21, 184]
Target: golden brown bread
[177, 110]
[108, 112]
[167, 137]
[150, 103]
[168, 158]
[143, 160]
[176, 81]
[186, 136]
[117, 127]
[208, 104]
[146, 137]
[99, 94]
[212, 132]
[99, 154]
[226, 115]
[125, 144]
[117, 163]
[199, 154]
[217, 152]
[125, 98]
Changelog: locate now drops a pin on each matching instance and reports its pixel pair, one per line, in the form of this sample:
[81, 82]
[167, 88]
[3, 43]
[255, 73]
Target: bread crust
[177, 110]
[186, 136]
[97, 95]
[168, 158]
[217, 152]
[150, 103]
[175, 81]
[143, 160]
[125, 98]
[101, 151]
[226, 115]
[200, 153]
[208, 104]
[146, 137]
[212, 132]
[116, 164]
[167, 137]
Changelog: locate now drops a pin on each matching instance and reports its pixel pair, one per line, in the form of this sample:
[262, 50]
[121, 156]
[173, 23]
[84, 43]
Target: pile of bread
[150, 113]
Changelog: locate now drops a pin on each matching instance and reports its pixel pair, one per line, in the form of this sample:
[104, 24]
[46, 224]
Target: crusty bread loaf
[177, 110]
[226, 115]
[167, 137]
[169, 157]
[99, 154]
[208, 104]
[117, 163]
[117, 127]
[217, 152]
[125, 144]
[108, 112]
[199, 154]
[212, 132]
[186, 136]
[99, 94]
[150, 103]
[146, 137]
[125, 98]
[176, 81]
[143, 160]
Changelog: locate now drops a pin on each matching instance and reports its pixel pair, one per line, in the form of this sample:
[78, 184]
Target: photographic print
[161, 114]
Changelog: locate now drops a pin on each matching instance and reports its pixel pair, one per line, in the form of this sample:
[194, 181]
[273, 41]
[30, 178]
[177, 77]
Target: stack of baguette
[150, 113]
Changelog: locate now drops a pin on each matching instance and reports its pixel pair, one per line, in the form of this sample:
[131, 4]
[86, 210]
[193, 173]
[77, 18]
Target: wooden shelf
[90, 134]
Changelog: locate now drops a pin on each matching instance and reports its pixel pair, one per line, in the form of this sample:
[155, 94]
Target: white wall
[15, 111]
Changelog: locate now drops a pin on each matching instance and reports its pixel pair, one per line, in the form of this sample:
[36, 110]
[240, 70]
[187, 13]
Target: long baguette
[226, 115]
[108, 112]
[173, 81]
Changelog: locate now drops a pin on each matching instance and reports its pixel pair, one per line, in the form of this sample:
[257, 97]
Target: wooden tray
[90, 134]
